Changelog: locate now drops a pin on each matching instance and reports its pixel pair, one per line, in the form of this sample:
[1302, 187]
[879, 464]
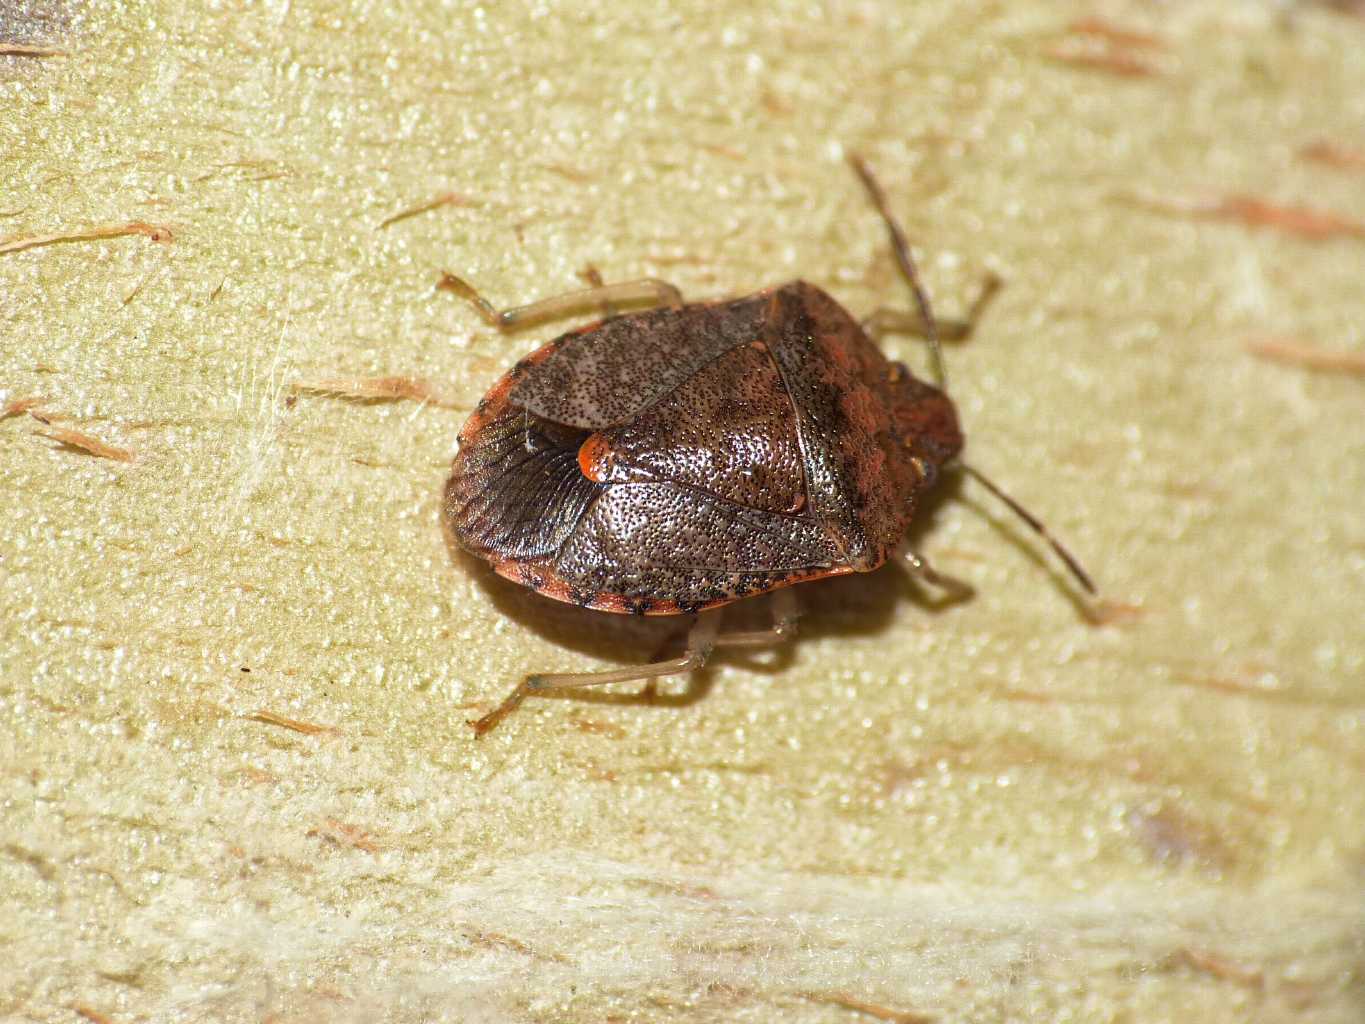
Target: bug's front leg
[647, 291]
[918, 565]
[883, 321]
[701, 639]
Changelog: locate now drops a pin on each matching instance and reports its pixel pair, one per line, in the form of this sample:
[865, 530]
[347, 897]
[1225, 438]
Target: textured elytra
[677, 459]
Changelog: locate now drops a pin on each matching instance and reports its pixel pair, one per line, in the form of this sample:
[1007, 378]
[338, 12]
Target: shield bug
[673, 460]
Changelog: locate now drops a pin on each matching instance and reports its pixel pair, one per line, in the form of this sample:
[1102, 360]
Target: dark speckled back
[678, 459]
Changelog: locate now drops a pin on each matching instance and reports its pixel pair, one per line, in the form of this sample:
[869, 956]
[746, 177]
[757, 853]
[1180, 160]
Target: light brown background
[992, 811]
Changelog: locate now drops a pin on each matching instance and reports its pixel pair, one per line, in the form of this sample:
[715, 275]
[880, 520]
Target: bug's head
[925, 421]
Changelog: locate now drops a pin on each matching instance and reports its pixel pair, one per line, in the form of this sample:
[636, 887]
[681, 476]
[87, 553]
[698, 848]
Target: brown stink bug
[671, 461]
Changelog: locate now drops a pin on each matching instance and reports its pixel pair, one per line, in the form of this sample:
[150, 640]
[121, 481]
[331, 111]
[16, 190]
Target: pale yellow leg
[885, 321]
[700, 641]
[785, 613]
[649, 291]
[919, 566]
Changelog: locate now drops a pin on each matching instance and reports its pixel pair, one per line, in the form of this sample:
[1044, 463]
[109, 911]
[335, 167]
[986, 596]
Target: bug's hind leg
[785, 610]
[883, 321]
[649, 291]
[700, 641]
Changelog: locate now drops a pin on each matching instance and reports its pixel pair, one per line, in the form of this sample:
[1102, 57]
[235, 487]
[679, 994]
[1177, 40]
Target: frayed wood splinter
[29, 50]
[570, 173]
[1110, 61]
[1309, 357]
[444, 199]
[293, 724]
[156, 232]
[84, 442]
[342, 834]
[874, 1010]
[377, 389]
[596, 728]
[1094, 44]
[1330, 154]
[1251, 679]
[1220, 967]
[19, 406]
[497, 940]
[1314, 225]
[1249, 211]
[1098, 28]
[137, 288]
[1108, 612]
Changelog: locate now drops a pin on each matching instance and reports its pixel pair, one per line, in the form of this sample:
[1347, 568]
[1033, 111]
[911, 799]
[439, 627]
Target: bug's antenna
[1066, 556]
[902, 250]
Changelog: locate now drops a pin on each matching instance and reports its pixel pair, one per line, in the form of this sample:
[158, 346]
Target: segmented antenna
[902, 250]
[1066, 556]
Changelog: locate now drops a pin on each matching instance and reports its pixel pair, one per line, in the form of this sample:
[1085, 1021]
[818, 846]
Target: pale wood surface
[993, 811]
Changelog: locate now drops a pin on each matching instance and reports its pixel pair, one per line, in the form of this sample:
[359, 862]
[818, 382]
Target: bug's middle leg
[700, 641]
[883, 320]
[785, 611]
[649, 291]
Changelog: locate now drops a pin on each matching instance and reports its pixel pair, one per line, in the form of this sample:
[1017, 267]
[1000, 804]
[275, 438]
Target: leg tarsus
[989, 288]
[918, 565]
[509, 704]
[701, 639]
[645, 291]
